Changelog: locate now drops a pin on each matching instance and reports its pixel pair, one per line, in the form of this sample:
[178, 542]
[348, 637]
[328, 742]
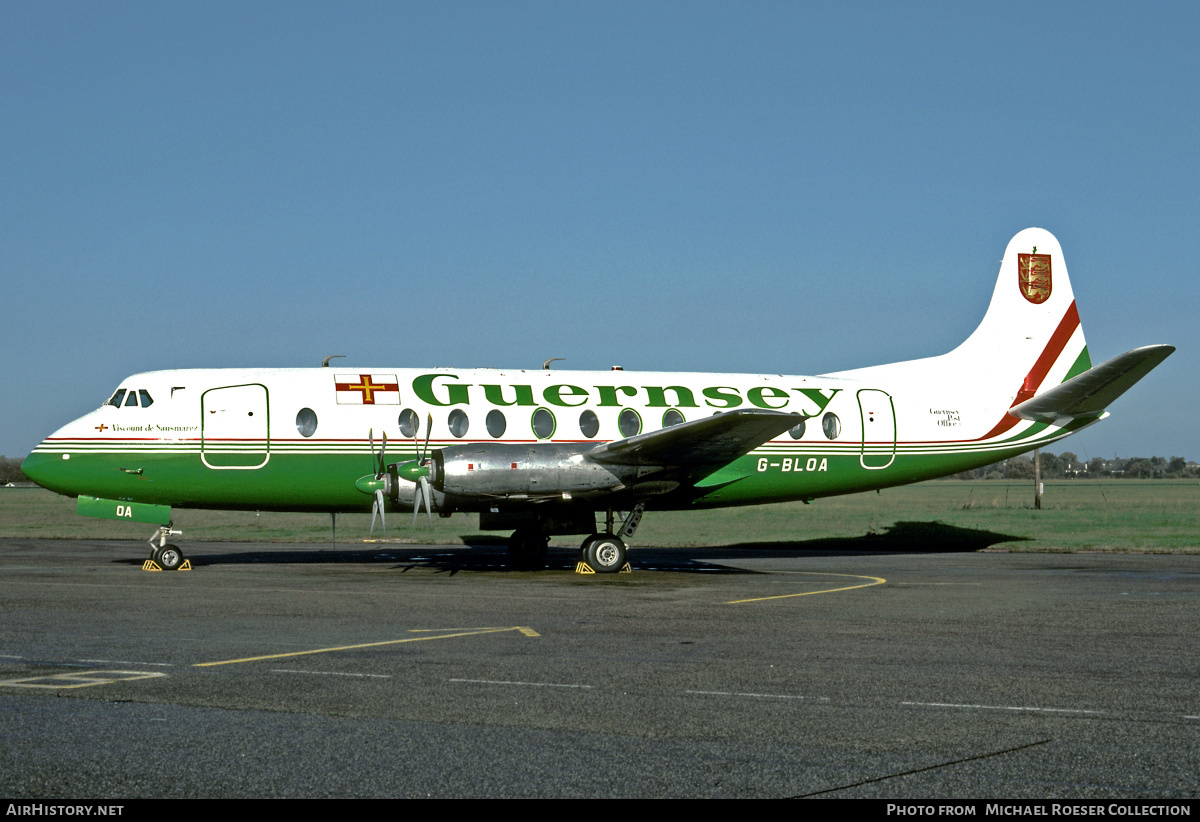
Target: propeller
[418, 471]
[377, 483]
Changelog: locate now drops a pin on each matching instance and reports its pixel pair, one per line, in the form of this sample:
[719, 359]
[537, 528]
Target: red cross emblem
[367, 389]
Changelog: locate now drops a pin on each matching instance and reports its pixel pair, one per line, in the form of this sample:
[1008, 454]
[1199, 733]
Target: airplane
[543, 452]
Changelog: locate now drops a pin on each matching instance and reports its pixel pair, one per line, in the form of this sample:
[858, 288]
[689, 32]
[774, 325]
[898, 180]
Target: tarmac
[387, 670]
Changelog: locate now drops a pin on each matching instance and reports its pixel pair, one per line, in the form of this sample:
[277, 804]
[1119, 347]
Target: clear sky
[793, 187]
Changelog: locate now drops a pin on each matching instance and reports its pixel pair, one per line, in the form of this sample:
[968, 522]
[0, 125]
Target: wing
[698, 447]
[1092, 391]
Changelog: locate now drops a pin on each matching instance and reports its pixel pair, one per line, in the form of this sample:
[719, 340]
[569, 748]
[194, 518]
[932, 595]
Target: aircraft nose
[47, 470]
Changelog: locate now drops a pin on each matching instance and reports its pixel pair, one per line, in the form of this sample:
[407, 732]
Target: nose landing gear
[164, 556]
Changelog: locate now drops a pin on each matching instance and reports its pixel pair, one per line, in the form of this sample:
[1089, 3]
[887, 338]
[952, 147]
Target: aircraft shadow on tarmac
[488, 553]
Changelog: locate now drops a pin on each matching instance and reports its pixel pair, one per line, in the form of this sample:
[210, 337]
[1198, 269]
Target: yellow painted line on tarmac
[874, 581]
[468, 632]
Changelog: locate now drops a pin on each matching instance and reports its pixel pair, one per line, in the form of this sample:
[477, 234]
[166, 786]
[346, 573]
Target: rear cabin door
[878, 428]
[233, 430]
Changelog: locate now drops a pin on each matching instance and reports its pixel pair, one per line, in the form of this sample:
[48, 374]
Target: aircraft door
[878, 428]
[234, 431]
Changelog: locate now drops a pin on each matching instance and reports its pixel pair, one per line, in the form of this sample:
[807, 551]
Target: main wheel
[169, 557]
[587, 542]
[527, 548]
[605, 553]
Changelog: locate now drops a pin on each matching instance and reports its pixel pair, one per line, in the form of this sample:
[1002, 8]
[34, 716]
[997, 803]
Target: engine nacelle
[514, 470]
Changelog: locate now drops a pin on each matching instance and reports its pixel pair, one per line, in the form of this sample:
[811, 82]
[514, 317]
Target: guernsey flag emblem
[367, 389]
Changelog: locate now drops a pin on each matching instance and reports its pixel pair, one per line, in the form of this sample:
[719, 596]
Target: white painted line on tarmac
[759, 696]
[1001, 708]
[129, 662]
[328, 673]
[530, 684]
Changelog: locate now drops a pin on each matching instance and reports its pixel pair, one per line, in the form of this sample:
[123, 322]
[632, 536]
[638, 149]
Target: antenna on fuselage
[325, 362]
[546, 364]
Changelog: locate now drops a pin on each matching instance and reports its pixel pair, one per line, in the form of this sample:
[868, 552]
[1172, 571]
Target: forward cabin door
[878, 428]
[234, 432]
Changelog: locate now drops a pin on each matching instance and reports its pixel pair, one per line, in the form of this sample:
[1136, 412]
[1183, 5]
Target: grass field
[1147, 516]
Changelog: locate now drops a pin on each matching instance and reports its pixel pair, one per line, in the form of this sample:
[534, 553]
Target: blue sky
[793, 187]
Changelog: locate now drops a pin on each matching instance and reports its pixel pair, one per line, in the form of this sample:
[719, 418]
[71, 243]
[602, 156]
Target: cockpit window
[130, 398]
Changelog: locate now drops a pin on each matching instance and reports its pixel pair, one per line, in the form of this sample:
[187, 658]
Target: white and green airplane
[544, 452]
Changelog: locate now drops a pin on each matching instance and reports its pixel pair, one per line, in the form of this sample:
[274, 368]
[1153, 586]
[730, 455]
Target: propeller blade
[423, 493]
[377, 508]
[427, 493]
[382, 459]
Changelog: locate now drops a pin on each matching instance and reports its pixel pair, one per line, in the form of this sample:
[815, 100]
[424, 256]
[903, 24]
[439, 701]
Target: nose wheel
[163, 555]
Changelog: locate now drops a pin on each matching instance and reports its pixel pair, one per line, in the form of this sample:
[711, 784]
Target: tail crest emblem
[1033, 276]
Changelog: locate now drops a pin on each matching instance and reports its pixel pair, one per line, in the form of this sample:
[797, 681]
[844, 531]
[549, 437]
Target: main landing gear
[163, 556]
[601, 553]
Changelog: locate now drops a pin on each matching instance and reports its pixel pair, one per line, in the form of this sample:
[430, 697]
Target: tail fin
[1030, 345]
[1031, 336]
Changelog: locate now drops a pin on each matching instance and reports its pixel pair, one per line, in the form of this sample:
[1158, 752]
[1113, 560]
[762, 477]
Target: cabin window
[831, 425]
[145, 397]
[410, 423]
[117, 398]
[629, 423]
[459, 423]
[306, 422]
[673, 416]
[496, 423]
[797, 430]
[589, 424]
[543, 424]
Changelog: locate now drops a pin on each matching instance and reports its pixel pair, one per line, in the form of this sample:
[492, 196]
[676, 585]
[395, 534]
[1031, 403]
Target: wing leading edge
[700, 446]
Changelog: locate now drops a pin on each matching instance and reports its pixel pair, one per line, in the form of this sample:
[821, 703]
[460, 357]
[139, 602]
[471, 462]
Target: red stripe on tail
[1033, 380]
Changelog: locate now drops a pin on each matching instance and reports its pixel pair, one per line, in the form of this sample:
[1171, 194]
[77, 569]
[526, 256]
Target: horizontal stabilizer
[706, 443]
[1092, 391]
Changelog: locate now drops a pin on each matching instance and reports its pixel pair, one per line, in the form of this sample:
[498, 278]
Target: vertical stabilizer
[1031, 338]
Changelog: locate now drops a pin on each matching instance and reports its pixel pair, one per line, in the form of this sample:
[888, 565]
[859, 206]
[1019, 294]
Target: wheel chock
[151, 565]
[583, 568]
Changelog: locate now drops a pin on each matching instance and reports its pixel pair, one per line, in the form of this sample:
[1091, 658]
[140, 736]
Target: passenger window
[672, 417]
[306, 422]
[496, 423]
[410, 423]
[629, 423]
[543, 424]
[831, 425]
[589, 424]
[146, 401]
[459, 423]
[797, 430]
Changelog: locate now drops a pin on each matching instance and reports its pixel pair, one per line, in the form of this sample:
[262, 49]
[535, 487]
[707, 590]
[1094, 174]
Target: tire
[605, 553]
[587, 542]
[169, 557]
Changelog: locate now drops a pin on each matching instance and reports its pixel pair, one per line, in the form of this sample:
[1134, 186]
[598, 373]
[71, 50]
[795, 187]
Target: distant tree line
[10, 470]
[1068, 466]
